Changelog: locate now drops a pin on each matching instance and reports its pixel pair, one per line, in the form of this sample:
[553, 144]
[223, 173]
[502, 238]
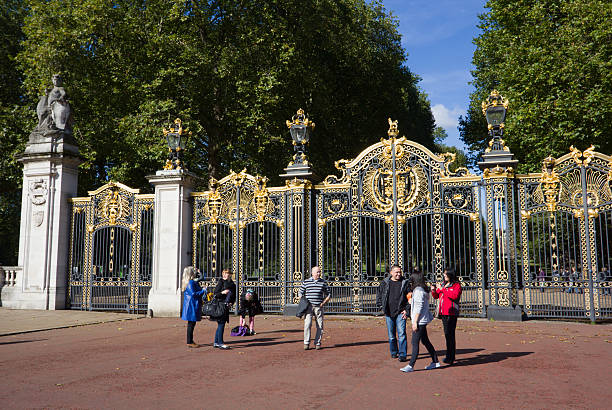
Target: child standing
[249, 304]
[192, 302]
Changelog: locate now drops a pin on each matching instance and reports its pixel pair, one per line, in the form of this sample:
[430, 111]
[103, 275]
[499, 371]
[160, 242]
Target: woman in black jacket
[225, 291]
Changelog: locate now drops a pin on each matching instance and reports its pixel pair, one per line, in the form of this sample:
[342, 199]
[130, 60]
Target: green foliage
[552, 60]
[461, 160]
[14, 119]
[232, 71]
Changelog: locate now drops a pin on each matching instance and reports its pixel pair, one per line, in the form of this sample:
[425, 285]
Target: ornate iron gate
[240, 225]
[566, 237]
[111, 250]
[398, 203]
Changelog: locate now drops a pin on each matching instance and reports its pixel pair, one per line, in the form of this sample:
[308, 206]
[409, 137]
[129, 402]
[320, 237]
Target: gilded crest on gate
[410, 183]
[261, 199]
[212, 209]
[113, 206]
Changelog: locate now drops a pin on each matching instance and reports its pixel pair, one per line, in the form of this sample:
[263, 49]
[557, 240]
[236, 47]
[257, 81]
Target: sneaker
[402, 359]
[216, 345]
[394, 356]
[252, 333]
[433, 365]
[407, 369]
[224, 347]
[306, 347]
[318, 347]
[192, 345]
[447, 361]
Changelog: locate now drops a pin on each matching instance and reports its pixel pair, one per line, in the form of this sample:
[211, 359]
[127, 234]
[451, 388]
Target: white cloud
[445, 118]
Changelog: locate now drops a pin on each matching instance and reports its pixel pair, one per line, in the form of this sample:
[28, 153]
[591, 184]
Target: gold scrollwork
[457, 200]
[113, 206]
[410, 183]
[213, 202]
[584, 157]
[335, 206]
[238, 178]
[261, 199]
[449, 158]
[549, 184]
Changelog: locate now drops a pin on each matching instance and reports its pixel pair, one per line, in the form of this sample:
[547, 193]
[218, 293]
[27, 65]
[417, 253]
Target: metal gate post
[587, 229]
[498, 167]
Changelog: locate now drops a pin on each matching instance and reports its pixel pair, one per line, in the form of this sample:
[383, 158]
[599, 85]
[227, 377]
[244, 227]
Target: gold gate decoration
[238, 224]
[571, 202]
[366, 219]
[110, 252]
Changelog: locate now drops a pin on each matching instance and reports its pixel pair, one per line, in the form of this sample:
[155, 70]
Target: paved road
[13, 321]
[145, 364]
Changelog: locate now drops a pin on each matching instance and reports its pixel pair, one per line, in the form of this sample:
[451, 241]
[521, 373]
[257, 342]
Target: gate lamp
[494, 108]
[176, 138]
[300, 127]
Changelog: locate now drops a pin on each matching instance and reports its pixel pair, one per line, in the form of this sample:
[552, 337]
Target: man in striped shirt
[317, 293]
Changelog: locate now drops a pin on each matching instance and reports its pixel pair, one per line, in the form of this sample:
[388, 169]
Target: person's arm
[452, 292]
[302, 291]
[200, 292]
[417, 305]
[218, 292]
[415, 322]
[327, 292]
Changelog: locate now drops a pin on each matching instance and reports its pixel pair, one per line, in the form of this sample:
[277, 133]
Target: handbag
[215, 308]
[437, 310]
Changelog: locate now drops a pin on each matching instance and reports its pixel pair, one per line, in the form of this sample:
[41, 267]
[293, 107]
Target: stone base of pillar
[16, 299]
[505, 314]
[165, 304]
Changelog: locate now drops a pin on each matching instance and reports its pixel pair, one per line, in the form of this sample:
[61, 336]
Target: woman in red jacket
[449, 294]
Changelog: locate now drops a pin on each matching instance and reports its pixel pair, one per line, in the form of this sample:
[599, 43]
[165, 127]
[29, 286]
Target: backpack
[240, 331]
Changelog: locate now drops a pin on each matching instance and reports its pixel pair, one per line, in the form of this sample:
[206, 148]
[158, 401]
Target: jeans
[450, 324]
[397, 323]
[317, 312]
[219, 332]
[420, 335]
[190, 327]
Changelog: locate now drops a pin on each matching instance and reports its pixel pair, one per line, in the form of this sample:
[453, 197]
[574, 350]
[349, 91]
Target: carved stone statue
[54, 114]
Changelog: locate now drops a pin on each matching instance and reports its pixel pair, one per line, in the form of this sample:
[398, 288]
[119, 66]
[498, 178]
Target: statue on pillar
[54, 114]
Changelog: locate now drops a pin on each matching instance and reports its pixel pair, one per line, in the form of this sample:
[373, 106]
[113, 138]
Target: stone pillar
[50, 176]
[171, 239]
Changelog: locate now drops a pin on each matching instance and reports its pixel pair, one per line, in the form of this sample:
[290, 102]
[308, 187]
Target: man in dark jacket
[391, 298]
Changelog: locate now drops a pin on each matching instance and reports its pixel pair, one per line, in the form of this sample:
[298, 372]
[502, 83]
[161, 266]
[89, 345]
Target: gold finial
[177, 128]
[300, 118]
[393, 131]
[493, 100]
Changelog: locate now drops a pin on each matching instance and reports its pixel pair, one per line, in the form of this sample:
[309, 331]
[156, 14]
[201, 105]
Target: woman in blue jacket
[192, 302]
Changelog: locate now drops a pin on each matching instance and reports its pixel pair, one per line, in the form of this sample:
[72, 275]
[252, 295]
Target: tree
[551, 59]
[14, 118]
[440, 135]
[234, 71]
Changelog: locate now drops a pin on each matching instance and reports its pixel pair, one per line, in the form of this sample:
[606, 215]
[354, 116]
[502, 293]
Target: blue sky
[437, 35]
